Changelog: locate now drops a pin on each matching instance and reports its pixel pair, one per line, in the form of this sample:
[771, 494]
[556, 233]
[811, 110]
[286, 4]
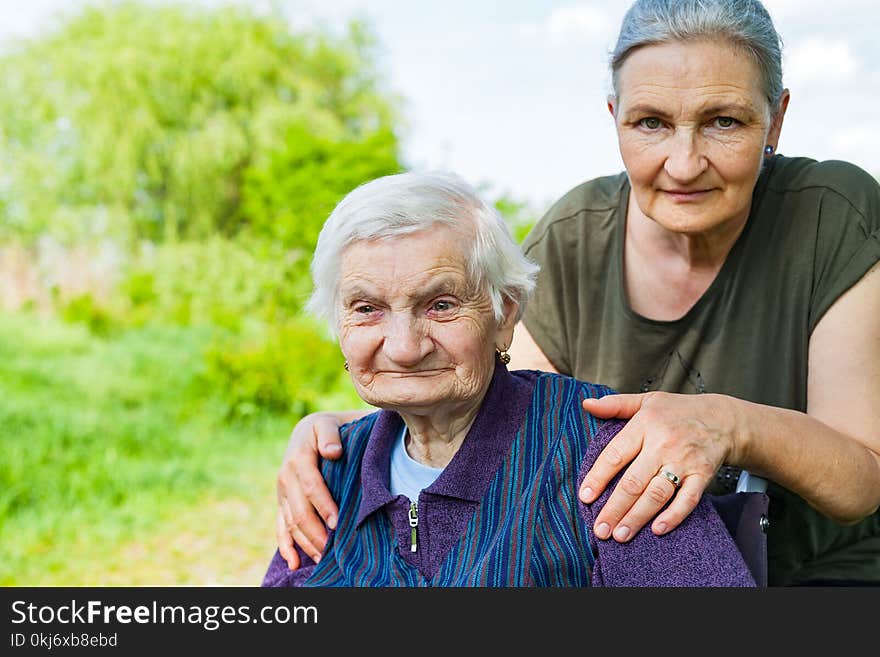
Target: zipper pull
[413, 522]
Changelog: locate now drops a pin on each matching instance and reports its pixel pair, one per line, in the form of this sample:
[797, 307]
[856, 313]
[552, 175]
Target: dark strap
[725, 480]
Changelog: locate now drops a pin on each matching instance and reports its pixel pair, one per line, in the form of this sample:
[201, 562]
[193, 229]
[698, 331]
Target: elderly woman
[733, 292]
[468, 476]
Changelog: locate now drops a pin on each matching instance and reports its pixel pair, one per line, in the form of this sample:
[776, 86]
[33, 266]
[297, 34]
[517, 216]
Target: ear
[612, 105]
[776, 123]
[504, 334]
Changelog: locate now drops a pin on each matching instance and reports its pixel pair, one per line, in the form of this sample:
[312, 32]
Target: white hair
[406, 203]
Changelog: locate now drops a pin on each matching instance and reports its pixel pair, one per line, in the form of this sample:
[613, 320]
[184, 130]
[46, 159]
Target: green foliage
[88, 424]
[105, 440]
[287, 369]
[104, 437]
[141, 120]
[86, 310]
[519, 215]
[228, 283]
[216, 282]
[292, 193]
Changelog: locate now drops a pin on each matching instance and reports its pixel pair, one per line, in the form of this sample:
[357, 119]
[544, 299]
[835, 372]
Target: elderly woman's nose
[406, 342]
[684, 160]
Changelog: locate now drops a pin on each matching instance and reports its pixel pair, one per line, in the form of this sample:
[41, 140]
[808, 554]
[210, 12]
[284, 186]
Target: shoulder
[596, 195]
[599, 196]
[853, 186]
[556, 386]
[561, 395]
[358, 429]
[354, 435]
[795, 173]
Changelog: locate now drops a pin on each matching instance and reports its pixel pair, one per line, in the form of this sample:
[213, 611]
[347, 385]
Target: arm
[301, 489]
[829, 455]
[525, 354]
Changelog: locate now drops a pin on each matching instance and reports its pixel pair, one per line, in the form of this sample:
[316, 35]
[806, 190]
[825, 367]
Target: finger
[317, 499]
[657, 493]
[300, 519]
[627, 491]
[294, 518]
[330, 448]
[300, 482]
[615, 456]
[327, 437]
[282, 489]
[684, 502]
[620, 406]
[305, 544]
[306, 527]
[284, 523]
[285, 542]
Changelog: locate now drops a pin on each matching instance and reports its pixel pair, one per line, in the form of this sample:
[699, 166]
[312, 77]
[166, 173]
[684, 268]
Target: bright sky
[511, 93]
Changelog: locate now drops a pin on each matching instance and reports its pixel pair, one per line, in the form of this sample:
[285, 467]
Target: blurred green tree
[168, 121]
[289, 196]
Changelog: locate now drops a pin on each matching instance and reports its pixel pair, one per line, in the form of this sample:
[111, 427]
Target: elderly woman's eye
[442, 306]
[365, 309]
[725, 122]
[651, 123]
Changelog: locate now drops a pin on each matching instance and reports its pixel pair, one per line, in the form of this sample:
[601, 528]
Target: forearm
[525, 354]
[835, 473]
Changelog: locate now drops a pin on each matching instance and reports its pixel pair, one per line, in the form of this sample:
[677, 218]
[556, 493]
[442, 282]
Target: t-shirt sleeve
[848, 239]
[699, 552]
[547, 315]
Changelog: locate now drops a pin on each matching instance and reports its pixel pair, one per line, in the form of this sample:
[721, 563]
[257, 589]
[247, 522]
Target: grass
[119, 466]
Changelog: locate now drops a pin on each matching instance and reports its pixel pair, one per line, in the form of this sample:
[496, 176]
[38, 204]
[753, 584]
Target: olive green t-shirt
[813, 231]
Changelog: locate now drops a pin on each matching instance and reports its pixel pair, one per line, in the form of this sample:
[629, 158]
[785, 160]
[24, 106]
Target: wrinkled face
[416, 334]
[692, 123]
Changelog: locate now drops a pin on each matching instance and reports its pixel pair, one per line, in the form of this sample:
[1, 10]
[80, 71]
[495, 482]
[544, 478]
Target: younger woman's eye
[651, 123]
[725, 121]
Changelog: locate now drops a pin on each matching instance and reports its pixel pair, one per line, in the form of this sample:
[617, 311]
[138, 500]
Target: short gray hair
[405, 203]
[745, 23]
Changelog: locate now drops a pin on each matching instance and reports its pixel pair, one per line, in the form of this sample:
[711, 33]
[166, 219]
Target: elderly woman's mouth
[422, 372]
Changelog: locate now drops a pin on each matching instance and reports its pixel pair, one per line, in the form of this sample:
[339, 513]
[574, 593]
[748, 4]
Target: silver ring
[672, 477]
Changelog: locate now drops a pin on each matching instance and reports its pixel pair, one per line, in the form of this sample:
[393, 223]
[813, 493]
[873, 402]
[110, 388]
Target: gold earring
[345, 365]
[503, 356]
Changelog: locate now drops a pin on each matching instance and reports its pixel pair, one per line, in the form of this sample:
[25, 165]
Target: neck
[704, 251]
[434, 438]
[666, 272]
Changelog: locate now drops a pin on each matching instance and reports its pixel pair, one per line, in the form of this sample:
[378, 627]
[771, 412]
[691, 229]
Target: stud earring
[768, 149]
[503, 356]
[345, 365]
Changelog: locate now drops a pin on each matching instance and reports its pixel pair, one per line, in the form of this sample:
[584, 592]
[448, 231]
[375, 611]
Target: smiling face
[692, 124]
[417, 336]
